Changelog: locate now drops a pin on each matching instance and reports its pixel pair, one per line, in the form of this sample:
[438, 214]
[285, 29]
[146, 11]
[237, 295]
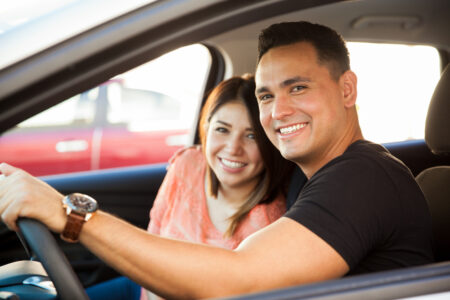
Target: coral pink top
[180, 210]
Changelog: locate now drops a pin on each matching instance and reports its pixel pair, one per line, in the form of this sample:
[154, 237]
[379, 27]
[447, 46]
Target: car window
[395, 85]
[170, 87]
[77, 110]
[139, 117]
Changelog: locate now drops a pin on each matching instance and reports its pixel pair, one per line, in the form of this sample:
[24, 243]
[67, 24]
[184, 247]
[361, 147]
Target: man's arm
[283, 254]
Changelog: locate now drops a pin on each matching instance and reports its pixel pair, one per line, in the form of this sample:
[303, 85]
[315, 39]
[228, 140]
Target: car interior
[229, 30]
[434, 181]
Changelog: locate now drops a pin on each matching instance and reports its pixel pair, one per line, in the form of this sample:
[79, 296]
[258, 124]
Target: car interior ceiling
[358, 23]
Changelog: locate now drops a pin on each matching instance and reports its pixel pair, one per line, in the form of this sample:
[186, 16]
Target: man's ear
[348, 83]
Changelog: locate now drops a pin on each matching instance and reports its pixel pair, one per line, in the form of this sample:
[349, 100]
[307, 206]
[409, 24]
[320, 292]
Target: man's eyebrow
[293, 80]
[261, 90]
[284, 83]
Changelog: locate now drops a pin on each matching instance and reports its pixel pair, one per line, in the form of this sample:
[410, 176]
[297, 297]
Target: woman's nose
[234, 145]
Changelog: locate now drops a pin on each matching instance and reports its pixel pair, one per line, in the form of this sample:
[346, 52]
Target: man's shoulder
[359, 158]
[363, 149]
[365, 156]
[363, 166]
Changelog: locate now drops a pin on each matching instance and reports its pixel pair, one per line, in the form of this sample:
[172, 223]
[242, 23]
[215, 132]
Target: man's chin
[290, 154]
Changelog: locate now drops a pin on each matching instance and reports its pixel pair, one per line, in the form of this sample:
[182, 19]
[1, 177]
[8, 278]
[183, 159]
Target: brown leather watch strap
[73, 227]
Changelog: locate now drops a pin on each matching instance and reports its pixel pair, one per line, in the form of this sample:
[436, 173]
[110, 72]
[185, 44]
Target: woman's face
[231, 148]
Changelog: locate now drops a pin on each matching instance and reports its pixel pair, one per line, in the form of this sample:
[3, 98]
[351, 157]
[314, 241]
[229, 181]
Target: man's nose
[282, 107]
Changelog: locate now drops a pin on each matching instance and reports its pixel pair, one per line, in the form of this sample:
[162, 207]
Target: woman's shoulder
[260, 216]
[186, 153]
[188, 158]
[266, 213]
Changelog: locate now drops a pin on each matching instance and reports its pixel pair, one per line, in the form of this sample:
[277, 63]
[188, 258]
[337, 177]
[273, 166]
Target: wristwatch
[79, 209]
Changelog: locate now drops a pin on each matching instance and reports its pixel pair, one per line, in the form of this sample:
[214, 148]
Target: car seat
[435, 181]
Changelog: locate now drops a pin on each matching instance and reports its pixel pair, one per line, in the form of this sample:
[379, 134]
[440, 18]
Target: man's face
[301, 107]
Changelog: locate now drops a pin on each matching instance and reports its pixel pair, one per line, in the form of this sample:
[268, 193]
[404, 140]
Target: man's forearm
[168, 267]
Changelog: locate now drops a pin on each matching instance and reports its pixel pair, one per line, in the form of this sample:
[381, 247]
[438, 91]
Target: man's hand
[22, 195]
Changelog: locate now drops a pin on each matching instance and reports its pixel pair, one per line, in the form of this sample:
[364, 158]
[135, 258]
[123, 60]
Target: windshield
[30, 26]
[16, 13]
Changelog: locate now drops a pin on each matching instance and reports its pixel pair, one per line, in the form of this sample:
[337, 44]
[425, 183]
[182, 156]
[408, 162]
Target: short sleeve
[349, 206]
[182, 162]
[161, 202]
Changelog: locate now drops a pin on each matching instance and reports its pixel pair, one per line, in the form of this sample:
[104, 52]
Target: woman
[231, 185]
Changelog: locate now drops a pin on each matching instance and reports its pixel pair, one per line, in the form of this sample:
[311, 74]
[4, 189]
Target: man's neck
[311, 165]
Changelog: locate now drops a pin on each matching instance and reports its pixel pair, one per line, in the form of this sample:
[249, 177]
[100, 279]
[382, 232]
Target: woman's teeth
[232, 164]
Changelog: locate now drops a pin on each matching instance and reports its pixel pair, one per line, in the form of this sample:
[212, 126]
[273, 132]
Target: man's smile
[291, 129]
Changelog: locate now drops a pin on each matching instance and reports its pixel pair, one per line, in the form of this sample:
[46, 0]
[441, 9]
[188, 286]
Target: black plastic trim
[408, 282]
[215, 76]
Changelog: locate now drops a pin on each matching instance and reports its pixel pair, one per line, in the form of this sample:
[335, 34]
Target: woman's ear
[348, 83]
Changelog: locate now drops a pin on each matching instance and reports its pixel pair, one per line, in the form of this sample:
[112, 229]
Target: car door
[134, 132]
[140, 127]
[58, 140]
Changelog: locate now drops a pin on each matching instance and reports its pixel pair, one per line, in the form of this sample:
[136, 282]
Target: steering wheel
[43, 245]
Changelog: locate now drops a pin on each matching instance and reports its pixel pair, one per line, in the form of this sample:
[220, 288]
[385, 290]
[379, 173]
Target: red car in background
[105, 127]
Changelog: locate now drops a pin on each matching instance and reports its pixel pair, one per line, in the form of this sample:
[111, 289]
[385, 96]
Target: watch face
[81, 203]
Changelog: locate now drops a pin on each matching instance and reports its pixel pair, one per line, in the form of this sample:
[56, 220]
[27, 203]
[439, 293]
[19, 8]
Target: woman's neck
[226, 204]
[234, 196]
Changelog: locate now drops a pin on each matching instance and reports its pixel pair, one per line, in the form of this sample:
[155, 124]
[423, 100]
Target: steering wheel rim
[44, 246]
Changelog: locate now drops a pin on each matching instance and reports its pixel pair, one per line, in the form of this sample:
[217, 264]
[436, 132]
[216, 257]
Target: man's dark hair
[330, 47]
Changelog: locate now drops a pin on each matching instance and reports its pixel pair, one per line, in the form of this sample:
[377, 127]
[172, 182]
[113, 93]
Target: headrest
[437, 126]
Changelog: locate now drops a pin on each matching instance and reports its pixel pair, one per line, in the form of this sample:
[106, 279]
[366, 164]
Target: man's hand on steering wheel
[22, 195]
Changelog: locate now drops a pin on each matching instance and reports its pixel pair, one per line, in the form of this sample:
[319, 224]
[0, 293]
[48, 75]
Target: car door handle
[71, 146]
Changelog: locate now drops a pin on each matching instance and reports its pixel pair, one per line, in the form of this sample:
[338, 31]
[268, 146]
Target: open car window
[395, 85]
[139, 117]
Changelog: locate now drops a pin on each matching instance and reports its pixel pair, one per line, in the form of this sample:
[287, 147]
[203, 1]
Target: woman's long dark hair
[274, 178]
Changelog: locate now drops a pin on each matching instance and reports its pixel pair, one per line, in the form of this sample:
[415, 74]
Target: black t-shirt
[368, 207]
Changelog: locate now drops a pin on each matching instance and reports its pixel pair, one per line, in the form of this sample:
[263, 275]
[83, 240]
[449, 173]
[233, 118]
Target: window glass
[395, 85]
[175, 82]
[139, 117]
[79, 109]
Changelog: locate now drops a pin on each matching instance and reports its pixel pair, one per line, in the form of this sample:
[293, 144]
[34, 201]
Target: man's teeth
[291, 129]
[232, 164]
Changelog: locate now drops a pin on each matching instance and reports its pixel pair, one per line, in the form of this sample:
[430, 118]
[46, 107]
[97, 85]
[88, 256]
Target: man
[360, 210]
[359, 199]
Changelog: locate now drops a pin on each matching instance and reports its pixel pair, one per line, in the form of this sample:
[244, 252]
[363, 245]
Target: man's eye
[298, 88]
[264, 97]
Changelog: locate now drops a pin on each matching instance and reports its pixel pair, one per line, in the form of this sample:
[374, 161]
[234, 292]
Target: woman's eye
[251, 136]
[221, 129]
